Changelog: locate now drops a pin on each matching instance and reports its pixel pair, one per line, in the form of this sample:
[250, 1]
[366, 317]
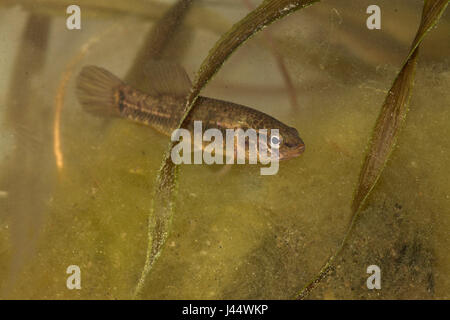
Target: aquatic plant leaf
[162, 211]
[199, 17]
[263, 15]
[156, 42]
[99, 8]
[387, 127]
[28, 119]
[280, 64]
[394, 109]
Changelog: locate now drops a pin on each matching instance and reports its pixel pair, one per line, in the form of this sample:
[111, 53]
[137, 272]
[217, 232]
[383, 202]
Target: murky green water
[235, 234]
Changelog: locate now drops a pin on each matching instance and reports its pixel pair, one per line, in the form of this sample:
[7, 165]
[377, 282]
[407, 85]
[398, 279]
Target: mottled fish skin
[100, 92]
[159, 112]
[164, 112]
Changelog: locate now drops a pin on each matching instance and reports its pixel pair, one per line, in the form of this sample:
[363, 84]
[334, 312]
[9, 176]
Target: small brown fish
[161, 107]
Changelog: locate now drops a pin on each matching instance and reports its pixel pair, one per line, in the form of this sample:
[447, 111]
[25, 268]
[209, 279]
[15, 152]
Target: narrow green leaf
[156, 42]
[162, 211]
[199, 17]
[394, 110]
[387, 127]
[27, 118]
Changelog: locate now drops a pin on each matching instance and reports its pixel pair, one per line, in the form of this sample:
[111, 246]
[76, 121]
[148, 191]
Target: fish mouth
[292, 153]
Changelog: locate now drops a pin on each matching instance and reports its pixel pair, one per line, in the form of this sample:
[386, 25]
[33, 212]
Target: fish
[162, 105]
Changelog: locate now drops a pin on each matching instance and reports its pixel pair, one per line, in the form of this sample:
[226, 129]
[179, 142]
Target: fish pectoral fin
[167, 78]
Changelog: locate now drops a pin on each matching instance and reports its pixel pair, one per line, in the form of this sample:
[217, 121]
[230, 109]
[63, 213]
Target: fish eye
[275, 141]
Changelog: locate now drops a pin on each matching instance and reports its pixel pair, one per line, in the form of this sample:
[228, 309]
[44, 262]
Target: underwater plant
[104, 178]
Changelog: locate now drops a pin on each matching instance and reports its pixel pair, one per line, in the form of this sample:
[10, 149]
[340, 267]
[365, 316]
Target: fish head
[290, 143]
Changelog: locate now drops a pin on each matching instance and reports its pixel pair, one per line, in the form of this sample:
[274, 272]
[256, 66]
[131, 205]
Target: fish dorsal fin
[166, 78]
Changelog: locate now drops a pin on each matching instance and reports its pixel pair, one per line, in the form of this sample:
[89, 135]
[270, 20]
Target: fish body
[102, 93]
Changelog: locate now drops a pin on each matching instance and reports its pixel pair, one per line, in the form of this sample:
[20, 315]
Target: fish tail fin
[97, 91]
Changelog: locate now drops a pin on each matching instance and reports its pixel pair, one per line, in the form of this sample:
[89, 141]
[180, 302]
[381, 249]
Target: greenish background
[238, 234]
